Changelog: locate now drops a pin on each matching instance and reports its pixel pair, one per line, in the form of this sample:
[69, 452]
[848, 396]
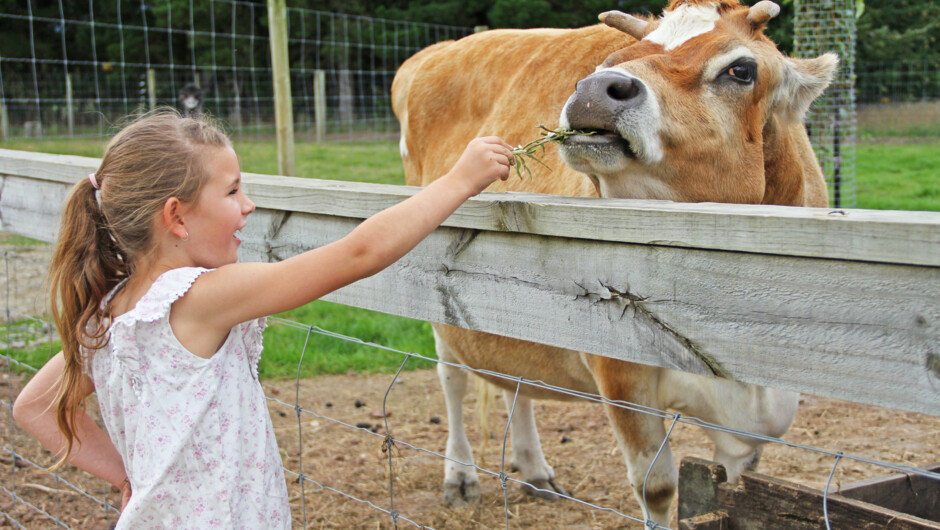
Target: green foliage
[901, 30]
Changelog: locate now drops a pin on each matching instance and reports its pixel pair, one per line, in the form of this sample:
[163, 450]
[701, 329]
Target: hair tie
[93, 180]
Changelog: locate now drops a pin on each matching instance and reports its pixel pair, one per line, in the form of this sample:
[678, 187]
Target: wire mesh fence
[86, 65]
[829, 26]
[367, 450]
[898, 99]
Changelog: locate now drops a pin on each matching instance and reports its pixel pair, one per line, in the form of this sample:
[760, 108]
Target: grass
[888, 176]
[892, 176]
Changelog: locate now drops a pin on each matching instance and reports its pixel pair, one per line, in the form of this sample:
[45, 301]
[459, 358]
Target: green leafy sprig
[536, 148]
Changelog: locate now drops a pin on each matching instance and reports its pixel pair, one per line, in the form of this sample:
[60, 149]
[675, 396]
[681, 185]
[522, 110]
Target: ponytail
[86, 264]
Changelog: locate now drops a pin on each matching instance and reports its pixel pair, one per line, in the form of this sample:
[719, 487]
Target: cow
[694, 105]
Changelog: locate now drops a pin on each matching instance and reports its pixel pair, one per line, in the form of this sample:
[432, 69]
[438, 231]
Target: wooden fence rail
[843, 304]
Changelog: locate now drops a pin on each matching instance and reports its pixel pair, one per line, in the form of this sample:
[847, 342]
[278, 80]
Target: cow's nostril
[623, 89]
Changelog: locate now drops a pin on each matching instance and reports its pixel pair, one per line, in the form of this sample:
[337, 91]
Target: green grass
[329, 355]
[888, 176]
[374, 162]
[898, 176]
[32, 345]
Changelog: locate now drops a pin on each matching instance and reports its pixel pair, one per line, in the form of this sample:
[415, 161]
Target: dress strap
[166, 289]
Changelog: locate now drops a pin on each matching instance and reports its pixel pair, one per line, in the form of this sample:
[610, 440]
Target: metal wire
[826, 491]
[109, 83]
[389, 443]
[829, 26]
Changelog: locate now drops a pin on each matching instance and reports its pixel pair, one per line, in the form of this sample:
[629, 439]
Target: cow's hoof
[461, 494]
[544, 488]
[753, 460]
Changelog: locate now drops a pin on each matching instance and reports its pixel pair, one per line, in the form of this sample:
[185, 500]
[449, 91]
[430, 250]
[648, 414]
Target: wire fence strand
[391, 445]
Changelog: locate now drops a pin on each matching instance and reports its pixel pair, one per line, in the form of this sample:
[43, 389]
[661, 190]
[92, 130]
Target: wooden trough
[708, 502]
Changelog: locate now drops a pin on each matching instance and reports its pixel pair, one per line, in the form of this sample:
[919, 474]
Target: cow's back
[498, 82]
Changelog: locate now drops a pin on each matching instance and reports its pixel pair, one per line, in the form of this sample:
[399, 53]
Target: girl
[159, 320]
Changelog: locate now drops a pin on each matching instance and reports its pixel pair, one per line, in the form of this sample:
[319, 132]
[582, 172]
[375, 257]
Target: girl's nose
[248, 206]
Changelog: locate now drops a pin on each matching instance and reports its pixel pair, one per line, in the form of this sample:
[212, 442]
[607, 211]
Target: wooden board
[861, 235]
[859, 330]
[760, 502]
[904, 492]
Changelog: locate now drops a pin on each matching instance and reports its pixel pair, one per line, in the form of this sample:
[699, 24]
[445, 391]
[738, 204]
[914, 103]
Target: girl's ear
[173, 218]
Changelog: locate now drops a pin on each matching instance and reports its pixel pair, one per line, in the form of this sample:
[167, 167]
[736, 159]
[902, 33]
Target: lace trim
[155, 304]
[252, 337]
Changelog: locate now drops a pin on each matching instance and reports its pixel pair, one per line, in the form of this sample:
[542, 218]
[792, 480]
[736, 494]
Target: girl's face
[221, 210]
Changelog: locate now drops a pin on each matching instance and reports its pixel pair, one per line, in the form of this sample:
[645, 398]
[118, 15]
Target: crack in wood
[512, 216]
[639, 305]
[278, 220]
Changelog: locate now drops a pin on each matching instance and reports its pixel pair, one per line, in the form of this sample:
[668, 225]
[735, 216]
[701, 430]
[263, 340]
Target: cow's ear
[803, 80]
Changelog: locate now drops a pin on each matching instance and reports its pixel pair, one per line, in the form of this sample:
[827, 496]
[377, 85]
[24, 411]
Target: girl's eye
[233, 192]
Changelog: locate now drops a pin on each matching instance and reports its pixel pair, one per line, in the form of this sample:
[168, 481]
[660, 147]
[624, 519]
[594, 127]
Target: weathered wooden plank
[710, 521]
[760, 502]
[903, 492]
[852, 330]
[32, 207]
[698, 489]
[860, 235]
[855, 331]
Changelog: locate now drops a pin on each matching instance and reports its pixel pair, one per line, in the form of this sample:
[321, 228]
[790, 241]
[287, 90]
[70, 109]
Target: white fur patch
[683, 23]
[403, 146]
[717, 64]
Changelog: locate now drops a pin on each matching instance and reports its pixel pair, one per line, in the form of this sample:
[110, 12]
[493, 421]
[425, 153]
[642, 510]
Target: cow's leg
[527, 456]
[461, 485]
[735, 453]
[640, 435]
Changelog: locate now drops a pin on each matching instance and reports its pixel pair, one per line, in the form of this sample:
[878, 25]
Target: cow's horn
[761, 12]
[629, 24]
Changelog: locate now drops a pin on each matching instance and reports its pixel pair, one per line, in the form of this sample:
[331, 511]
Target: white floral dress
[194, 433]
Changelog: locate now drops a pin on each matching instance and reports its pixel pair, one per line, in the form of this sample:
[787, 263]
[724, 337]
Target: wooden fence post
[283, 116]
[69, 108]
[4, 122]
[319, 103]
[151, 88]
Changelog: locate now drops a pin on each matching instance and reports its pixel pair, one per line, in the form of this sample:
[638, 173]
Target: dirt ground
[335, 457]
[575, 437]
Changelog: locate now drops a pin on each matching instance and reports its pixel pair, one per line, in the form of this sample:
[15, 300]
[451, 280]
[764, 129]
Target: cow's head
[688, 112]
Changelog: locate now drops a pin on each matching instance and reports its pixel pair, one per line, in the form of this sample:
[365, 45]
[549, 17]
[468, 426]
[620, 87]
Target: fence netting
[829, 26]
[368, 449]
[87, 64]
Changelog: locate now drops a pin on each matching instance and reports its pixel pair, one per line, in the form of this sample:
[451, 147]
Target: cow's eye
[744, 71]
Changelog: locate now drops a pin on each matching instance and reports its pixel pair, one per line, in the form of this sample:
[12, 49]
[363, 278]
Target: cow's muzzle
[599, 100]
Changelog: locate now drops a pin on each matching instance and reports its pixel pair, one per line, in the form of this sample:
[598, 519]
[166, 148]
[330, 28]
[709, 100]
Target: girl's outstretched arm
[92, 450]
[239, 292]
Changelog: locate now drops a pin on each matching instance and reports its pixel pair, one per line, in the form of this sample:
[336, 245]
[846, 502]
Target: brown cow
[697, 105]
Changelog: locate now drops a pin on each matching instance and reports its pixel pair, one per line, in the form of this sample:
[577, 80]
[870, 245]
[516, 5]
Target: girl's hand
[485, 160]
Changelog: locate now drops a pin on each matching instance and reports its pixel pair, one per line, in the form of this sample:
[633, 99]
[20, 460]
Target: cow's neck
[784, 170]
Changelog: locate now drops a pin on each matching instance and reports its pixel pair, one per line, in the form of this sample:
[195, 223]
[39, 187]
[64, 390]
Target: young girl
[158, 319]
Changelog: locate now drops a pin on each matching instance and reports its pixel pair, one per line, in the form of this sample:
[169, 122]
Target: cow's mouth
[601, 139]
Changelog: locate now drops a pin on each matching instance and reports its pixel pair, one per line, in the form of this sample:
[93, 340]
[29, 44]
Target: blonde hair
[106, 231]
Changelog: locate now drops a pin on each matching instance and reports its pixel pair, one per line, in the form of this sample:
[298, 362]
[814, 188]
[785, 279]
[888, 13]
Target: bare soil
[316, 424]
[575, 437]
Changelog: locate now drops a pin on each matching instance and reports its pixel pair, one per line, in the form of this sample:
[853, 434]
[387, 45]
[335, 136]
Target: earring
[185, 239]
